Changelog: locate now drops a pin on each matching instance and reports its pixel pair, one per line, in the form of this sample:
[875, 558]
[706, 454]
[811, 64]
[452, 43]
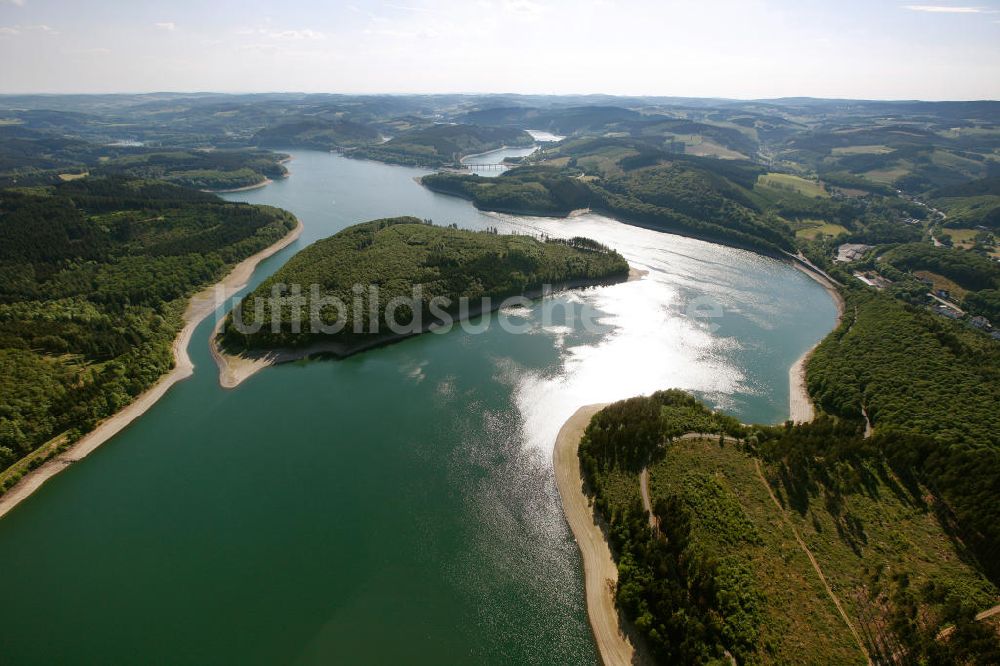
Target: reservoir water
[398, 506]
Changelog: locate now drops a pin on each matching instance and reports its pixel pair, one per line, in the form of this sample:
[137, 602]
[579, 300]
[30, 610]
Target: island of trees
[396, 255]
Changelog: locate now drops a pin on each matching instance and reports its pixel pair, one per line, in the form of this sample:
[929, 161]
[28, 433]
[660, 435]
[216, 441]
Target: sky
[747, 49]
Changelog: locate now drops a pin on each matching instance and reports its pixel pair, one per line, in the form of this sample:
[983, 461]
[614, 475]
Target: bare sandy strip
[800, 407]
[600, 572]
[245, 188]
[200, 306]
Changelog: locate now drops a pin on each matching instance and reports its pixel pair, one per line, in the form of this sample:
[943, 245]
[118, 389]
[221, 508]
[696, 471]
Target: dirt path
[812, 560]
[200, 306]
[654, 522]
[600, 572]
[986, 614]
[644, 491]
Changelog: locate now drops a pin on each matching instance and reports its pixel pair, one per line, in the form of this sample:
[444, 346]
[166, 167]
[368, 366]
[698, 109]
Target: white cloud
[282, 35]
[525, 9]
[947, 9]
[100, 50]
[19, 29]
[169, 26]
[295, 34]
[16, 3]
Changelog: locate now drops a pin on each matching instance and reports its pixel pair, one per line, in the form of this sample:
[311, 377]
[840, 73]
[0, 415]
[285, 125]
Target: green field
[784, 181]
[604, 161]
[812, 229]
[861, 150]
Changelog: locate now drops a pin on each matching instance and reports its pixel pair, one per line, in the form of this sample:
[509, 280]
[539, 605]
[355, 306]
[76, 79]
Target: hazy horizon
[349, 93]
[756, 50]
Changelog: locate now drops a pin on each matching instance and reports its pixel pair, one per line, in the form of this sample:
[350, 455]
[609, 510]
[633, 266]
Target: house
[873, 279]
[981, 322]
[945, 311]
[943, 293]
[864, 278]
[849, 252]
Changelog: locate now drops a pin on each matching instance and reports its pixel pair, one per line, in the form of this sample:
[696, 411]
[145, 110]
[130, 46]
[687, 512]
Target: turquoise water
[398, 506]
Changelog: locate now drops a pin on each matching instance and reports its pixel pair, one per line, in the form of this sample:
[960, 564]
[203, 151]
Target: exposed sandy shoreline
[234, 369]
[600, 572]
[255, 186]
[200, 306]
[800, 407]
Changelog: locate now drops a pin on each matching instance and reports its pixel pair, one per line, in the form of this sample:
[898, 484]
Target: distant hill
[971, 204]
[319, 134]
[561, 121]
[439, 145]
[29, 157]
[635, 182]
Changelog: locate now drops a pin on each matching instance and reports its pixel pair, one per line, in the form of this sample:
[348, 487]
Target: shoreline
[800, 407]
[200, 305]
[255, 186]
[599, 568]
[462, 159]
[234, 369]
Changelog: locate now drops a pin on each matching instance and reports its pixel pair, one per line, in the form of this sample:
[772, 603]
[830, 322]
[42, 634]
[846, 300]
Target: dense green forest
[935, 383]
[967, 269]
[525, 190]
[722, 574]
[29, 158]
[94, 276]
[317, 133]
[970, 204]
[399, 253]
[200, 169]
[699, 197]
[439, 145]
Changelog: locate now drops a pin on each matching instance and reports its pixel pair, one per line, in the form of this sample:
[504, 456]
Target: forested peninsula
[766, 543]
[395, 256]
[701, 198]
[95, 276]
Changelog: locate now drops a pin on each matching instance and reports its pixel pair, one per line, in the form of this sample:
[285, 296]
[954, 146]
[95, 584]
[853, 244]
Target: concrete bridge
[499, 166]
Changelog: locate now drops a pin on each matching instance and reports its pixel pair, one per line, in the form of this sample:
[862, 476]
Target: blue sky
[915, 49]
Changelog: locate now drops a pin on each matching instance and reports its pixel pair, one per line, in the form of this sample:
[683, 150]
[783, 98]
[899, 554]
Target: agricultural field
[813, 229]
[788, 182]
[941, 282]
[704, 148]
[66, 177]
[877, 149]
[887, 176]
[604, 161]
[962, 238]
